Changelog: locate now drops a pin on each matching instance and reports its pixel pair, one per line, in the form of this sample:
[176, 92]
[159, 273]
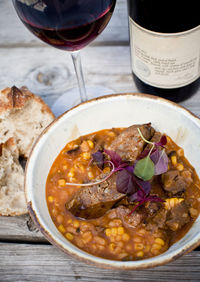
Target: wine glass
[68, 25]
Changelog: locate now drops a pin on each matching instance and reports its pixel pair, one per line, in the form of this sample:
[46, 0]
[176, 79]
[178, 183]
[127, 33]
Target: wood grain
[19, 229]
[50, 73]
[14, 34]
[40, 262]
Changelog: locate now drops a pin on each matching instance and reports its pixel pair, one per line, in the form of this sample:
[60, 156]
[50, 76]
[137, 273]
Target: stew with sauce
[132, 194]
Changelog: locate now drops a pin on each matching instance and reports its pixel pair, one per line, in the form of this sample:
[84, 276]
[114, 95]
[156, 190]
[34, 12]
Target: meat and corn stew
[123, 194]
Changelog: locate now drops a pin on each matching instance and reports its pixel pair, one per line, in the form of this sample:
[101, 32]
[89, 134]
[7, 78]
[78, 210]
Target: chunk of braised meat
[157, 221]
[156, 138]
[94, 201]
[129, 220]
[129, 144]
[178, 216]
[153, 207]
[173, 218]
[173, 182]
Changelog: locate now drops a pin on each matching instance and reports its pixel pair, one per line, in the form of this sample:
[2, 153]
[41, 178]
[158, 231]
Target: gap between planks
[38, 263]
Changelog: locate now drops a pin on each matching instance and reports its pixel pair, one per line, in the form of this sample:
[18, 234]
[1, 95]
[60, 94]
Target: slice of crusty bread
[23, 116]
[12, 199]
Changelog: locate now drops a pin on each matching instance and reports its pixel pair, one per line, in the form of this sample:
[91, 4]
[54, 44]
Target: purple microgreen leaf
[114, 157]
[145, 186]
[134, 197]
[155, 156]
[137, 196]
[144, 168]
[98, 159]
[160, 160]
[125, 182]
[130, 168]
[162, 142]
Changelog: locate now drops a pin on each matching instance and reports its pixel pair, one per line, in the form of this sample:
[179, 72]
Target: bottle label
[165, 60]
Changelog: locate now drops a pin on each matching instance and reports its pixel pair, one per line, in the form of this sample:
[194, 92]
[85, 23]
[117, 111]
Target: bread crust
[23, 116]
[15, 98]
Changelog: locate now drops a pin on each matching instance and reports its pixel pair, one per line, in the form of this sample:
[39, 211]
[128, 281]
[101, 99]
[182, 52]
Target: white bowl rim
[84, 256]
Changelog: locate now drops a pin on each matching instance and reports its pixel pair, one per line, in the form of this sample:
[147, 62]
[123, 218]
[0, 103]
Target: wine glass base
[72, 98]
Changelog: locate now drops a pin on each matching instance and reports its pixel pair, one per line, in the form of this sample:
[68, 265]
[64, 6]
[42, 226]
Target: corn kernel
[65, 167]
[111, 134]
[71, 173]
[156, 246]
[112, 238]
[94, 247]
[155, 251]
[79, 167]
[168, 139]
[54, 212]
[120, 230]
[101, 248]
[114, 231]
[61, 182]
[86, 156]
[112, 247]
[139, 247]
[108, 232]
[90, 175]
[137, 239]
[99, 240]
[61, 228]
[174, 160]
[106, 170]
[159, 241]
[147, 248]
[76, 224]
[180, 152]
[140, 254]
[118, 238]
[50, 199]
[87, 237]
[91, 144]
[174, 226]
[59, 218]
[125, 237]
[142, 231]
[193, 212]
[171, 202]
[69, 221]
[129, 247]
[180, 167]
[69, 236]
[115, 223]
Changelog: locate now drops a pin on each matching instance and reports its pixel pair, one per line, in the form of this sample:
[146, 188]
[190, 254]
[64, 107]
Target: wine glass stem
[76, 57]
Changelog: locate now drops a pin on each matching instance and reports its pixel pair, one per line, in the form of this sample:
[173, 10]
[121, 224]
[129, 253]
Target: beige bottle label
[169, 60]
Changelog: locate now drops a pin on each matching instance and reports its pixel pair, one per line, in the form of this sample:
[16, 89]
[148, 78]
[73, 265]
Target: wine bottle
[165, 47]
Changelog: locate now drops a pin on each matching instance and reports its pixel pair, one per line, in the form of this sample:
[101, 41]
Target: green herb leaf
[144, 169]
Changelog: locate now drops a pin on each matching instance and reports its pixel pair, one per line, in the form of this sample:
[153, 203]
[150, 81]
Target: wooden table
[25, 255]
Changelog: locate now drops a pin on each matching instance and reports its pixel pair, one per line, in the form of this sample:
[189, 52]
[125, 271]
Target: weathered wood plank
[50, 73]
[19, 229]
[40, 262]
[13, 32]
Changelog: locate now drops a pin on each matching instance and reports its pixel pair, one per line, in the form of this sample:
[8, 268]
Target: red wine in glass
[65, 24]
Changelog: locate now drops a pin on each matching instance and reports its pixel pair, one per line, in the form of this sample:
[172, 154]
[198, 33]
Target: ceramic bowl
[120, 110]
